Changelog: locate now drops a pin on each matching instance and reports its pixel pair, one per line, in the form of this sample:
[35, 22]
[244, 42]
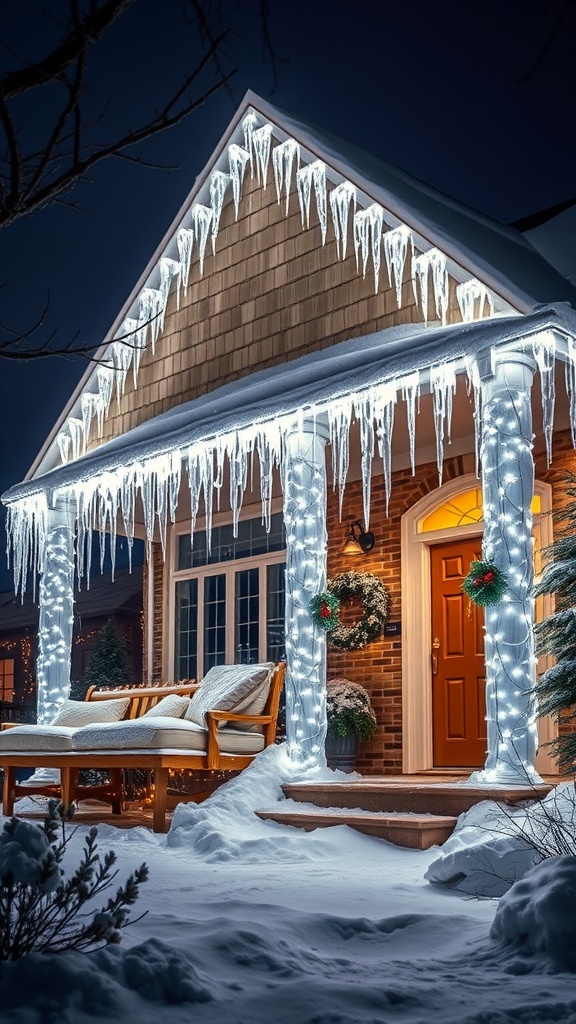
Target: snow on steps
[411, 813]
[417, 831]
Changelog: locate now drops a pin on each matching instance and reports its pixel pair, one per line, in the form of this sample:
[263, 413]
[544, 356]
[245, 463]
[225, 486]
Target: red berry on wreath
[476, 583]
[488, 577]
[325, 611]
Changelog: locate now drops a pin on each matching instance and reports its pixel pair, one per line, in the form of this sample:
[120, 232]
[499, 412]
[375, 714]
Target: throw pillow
[172, 706]
[226, 688]
[76, 713]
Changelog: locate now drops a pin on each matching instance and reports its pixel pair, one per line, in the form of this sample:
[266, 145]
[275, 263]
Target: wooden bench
[161, 762]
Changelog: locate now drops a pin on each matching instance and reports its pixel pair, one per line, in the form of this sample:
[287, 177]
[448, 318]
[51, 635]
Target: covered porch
[287, 419]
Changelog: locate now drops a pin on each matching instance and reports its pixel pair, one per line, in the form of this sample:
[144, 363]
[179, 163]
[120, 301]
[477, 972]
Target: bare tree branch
[44, 168]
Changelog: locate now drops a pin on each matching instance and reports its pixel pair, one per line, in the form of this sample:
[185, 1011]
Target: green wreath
[375, 609]
[485, 583]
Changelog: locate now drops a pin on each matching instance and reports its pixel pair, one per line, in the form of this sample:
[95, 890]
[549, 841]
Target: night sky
[462, 94]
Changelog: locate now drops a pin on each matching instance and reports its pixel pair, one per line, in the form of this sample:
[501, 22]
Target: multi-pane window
[7, 680]
[229, 601]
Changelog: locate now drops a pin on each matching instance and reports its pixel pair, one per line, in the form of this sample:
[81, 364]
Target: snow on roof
[497, 254]
[304, 383]
[440, 228]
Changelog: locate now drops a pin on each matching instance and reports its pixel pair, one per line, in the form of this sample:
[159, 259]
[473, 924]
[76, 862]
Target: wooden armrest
[12, 725]
[229, 716]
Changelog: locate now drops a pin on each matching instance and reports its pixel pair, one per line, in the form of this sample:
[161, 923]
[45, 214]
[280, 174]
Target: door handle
[435, 649]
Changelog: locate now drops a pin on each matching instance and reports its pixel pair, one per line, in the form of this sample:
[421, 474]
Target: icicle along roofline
[147, 465]
[309, 383]
[149, 297]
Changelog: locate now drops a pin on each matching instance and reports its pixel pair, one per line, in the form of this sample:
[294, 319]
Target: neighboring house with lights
[120, 601]
[316, 309]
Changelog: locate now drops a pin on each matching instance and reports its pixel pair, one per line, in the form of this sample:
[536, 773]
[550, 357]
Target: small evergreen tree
[556, 635]
[108, 665]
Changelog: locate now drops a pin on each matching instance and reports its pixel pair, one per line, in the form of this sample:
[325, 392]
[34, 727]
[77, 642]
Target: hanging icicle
[105, 380]
[237, 160]
[88, 407]
[443, 387]
[169, 269]
[410, 387]
[312, 173]
[468, 294]
[544, 349]
[368, 238]
[75, 426]
[26, 524]
[364, 413]
[218, 184]
[339, 419]
[384, 405]
[185, 243]
[151, 314]
[63, 441]
[201, 221]
[283, 157]
[121, 358]
[248, 125]
[570, 382]
[340, 199]
[473, 384]
[261, 142]
[435, 261]
[396, 244]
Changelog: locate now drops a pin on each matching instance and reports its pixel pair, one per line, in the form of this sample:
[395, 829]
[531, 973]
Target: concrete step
[395, 794]
[414, 831]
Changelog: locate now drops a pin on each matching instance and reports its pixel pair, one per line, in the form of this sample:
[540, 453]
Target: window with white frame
[229, 601]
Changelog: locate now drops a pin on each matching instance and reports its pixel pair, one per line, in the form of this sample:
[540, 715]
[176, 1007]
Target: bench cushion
[42, 738]
[76, 713]
[161, 734]
[230, 688]
[172, 706]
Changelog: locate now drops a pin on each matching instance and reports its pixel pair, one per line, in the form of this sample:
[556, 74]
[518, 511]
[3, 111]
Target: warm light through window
[463, 509]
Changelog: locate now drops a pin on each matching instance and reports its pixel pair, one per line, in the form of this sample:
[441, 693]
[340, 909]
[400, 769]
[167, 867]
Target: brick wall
[378, 666]
[159, 570]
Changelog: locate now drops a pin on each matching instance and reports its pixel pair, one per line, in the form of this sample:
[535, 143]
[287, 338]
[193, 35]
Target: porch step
[393, 793]
[415, 831]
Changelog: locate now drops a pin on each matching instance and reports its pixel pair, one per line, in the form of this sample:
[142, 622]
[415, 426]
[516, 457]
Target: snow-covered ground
[252, 922]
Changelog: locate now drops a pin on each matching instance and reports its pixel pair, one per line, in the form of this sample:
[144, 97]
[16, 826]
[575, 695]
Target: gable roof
[497, 256]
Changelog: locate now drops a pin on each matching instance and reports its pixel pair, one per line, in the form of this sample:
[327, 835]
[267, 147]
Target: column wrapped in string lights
[304, 487]
[56, 611]
[507, 489]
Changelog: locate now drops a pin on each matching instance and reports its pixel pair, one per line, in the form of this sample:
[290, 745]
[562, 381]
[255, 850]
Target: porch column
[507, 489]
[56, 622]
[304, 487]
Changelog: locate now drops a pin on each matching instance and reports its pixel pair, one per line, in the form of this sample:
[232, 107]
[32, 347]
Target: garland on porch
[325, 607]
[485, 583]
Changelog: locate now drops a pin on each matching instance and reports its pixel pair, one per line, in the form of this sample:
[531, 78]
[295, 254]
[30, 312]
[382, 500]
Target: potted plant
[351, 718]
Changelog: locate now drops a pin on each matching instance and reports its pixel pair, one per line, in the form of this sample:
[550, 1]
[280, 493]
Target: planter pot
[341, 752]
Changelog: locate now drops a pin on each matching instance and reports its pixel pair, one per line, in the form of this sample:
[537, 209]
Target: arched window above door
[463, 509]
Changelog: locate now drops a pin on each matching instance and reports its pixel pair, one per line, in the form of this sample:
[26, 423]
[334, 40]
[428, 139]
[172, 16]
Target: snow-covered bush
[538, 914]
[40, 911]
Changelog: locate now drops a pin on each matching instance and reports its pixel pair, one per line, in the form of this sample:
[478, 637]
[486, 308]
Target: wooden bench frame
[160, 762]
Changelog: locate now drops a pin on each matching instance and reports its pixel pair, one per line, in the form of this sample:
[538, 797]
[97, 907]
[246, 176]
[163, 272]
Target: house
[321, 340]
[120, 602]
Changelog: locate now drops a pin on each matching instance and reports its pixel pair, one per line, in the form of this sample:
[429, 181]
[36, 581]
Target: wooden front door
[458, 682]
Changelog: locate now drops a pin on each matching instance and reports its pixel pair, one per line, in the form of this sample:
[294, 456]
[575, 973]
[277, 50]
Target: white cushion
[228, 688]
[76, 713]
[172, 706]
[40, 738]
[162, 734]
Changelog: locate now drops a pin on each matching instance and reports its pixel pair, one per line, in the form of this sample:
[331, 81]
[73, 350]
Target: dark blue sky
[439, 89]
